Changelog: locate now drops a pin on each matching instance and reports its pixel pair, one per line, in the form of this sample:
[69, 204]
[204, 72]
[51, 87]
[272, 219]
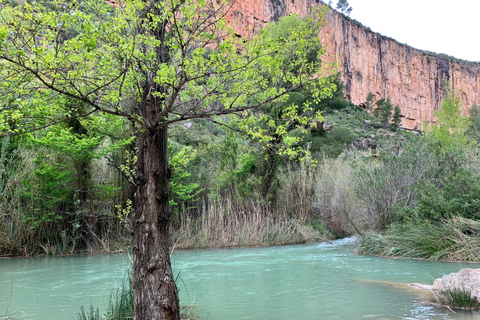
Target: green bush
[457, 193]
[337, 140]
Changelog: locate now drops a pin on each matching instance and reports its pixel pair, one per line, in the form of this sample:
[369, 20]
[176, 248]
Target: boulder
[327, 127]
[364, 143]
[466, 279]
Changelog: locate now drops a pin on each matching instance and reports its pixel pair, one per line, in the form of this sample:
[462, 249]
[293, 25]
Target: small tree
[153, 63]
[370, 101]
[383, 111]
[343, 6]
[451, 129]
[397, 117]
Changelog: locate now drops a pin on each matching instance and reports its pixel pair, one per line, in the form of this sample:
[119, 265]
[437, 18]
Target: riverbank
[454, 239]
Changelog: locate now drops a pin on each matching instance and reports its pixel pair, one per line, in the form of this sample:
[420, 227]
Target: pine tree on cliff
[397, 117]
[370, 102]
[344, 7]
[383, 111]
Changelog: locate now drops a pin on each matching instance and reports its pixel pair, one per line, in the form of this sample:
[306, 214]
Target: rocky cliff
[370, 62]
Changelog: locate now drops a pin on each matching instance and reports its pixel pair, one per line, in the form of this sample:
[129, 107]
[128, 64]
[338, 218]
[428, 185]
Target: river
[300, 282]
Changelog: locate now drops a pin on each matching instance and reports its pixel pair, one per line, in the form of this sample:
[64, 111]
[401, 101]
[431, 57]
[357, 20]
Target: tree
[279, 114]
[451, 128]
[343, 6]
[383, 111]
[397, 117]
[370, 101]
[154, 63]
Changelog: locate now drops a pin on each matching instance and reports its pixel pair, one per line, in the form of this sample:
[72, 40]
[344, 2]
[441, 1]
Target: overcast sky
[441, 26]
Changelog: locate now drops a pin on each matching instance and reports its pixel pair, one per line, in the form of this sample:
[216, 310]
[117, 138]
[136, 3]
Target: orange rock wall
[370, 62]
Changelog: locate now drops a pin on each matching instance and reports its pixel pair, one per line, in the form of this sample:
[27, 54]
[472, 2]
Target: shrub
[335, 198]
[457, 193]
[386, 187]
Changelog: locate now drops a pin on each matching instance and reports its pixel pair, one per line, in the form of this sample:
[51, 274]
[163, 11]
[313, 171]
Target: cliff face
[411, 78]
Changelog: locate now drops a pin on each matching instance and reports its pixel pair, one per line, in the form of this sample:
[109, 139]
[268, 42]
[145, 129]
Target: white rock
[466, 279]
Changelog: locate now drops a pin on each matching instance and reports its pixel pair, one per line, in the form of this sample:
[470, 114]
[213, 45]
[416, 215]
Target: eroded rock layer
[411, 78]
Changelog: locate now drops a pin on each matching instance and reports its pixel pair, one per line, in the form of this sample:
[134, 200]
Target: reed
[226, 223]
[454, 239]
[120, 306]
[16, 236]
[89, 314]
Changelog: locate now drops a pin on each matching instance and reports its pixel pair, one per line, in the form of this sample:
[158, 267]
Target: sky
[441, 26]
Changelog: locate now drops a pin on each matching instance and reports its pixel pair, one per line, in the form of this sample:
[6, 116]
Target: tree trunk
[155, 292]
[269, 173]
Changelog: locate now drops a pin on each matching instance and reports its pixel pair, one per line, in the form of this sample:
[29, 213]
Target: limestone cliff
[370, 62]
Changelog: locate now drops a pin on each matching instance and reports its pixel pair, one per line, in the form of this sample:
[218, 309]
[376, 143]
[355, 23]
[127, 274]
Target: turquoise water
[312, 281]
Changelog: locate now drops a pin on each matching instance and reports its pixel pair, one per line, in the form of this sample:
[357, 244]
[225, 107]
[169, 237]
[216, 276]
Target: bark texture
[155, 292]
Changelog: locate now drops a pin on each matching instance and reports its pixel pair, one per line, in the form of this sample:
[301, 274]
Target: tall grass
[230, 220]
[89, 314]
[16, 238]
[313, 204]
[453, 299]
[121, 304]
[454, 239]
[227, 224]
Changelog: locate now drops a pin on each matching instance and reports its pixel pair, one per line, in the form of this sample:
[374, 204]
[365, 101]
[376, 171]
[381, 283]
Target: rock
[359, 144]
[411, 78]
[466, 279]
[364, 143]
[371, 144]
[187, 125]
[327, 127]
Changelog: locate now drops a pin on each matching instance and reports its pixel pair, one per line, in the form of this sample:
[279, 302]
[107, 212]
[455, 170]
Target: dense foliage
[428, 191]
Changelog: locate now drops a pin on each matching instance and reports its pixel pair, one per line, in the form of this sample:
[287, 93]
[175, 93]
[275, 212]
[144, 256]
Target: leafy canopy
[102, 56]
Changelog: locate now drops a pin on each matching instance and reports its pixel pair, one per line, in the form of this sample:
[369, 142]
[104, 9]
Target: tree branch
[80, 97]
